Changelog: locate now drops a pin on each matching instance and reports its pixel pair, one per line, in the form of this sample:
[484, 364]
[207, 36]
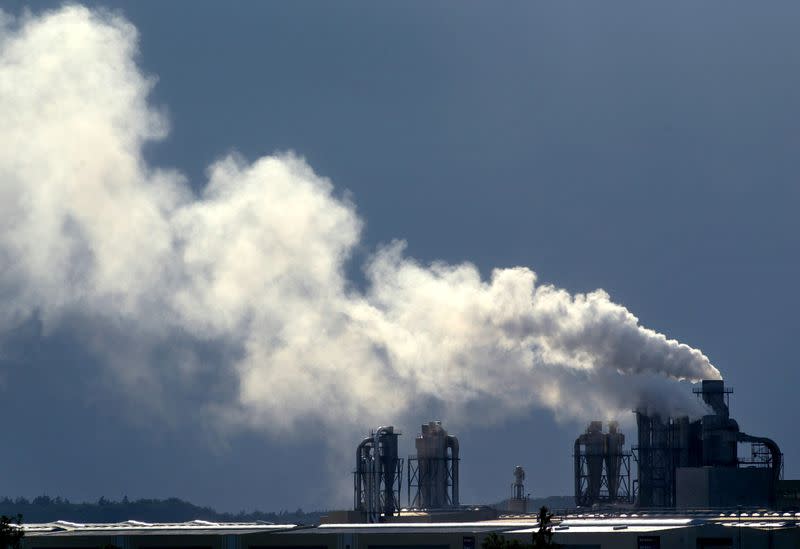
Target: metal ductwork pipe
[613, 456]
[361, 473]
[774, 450]
[452, 443]
[713, 392]
[576, 454]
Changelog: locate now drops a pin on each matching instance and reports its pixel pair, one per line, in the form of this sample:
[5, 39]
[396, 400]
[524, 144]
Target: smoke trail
[253, 267]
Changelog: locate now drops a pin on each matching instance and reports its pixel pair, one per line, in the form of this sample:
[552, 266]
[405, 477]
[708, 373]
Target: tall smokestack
[714, 394]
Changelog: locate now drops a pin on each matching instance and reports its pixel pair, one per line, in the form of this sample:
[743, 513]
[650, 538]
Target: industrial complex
[700, 483]
[680, 463]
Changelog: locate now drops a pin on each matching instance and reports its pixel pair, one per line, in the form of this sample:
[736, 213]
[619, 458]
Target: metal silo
[589, 454]
[378, 474]
[613, 457]
[434, 470]
[602, 467]
[594, 443]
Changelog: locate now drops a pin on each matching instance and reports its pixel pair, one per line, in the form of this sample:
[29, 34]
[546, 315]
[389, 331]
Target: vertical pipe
[452, 443]
[375, 493]
[360, 478]
[614, 443]
[644, 469]
[579, 496]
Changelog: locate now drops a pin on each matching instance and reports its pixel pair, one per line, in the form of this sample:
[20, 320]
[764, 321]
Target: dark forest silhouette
[50, 509]
[47, 509]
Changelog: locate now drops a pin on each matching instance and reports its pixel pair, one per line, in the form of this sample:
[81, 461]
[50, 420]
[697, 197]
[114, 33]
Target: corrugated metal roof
[619, 521]
[427, 525]
[608, 529]
[135, 527]
[590, 522]
[426, 529]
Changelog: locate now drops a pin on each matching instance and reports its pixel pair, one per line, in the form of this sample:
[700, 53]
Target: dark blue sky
[649, 150]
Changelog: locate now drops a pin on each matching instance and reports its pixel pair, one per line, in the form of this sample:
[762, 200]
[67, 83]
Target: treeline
[47, 509]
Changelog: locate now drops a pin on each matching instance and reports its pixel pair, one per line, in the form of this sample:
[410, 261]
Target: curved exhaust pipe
[774, 450]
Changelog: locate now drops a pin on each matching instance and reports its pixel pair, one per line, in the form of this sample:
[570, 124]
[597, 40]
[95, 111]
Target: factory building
[681, 463]
[587, 531]
[687, 463]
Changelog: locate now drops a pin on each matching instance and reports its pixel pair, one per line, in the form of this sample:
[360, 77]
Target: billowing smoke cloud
[253, 267]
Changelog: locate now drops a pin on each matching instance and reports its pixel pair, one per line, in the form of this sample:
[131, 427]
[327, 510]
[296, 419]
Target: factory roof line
[630, 524]
[511, 524]
[488, 525]
[136, 526]
[659, 512]
[416, 528]
[660, 521]
[769, 521]
[602, 528]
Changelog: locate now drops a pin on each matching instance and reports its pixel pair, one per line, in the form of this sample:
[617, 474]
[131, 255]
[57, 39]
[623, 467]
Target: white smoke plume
[255, 264]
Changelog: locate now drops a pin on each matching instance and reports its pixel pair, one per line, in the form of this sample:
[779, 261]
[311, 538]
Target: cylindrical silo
[437, 462]
[377, 474]
[614, 443]
[594, 442]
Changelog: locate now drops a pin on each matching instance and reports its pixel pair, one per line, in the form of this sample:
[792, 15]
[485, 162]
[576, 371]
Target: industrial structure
[602, 467]
[680, 462]
[433, 472]
[693, 491]
[519, 500]
[696, 463]
[378, 475]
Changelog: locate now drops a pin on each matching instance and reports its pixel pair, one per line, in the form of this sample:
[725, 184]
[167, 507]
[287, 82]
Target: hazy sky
[648, 150]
